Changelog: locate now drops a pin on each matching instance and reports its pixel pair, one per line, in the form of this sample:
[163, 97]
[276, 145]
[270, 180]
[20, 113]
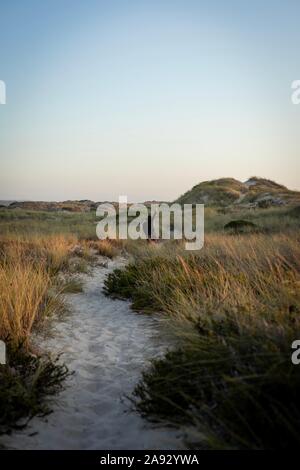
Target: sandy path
[107, 345]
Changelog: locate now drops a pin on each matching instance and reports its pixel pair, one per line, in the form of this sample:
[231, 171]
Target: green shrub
[235, 392]
[25, 382]
[125, 284]
[241, 226]
[295, 212]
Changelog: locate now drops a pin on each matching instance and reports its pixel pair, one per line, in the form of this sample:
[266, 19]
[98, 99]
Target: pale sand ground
[107, 345]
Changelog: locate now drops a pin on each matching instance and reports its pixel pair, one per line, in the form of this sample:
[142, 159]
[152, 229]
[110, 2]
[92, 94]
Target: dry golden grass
[23, 292]
[255, 278]
[57, 249]
[27, 269]
[109, 248]
[28, 266]
[30, 293]
[52, 250]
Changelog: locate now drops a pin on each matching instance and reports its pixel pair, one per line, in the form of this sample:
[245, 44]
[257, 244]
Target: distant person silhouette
[149, 230]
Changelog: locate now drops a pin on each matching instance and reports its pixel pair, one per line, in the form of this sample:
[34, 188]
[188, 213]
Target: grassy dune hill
[83, 205]
[70, 206]
[255, 192]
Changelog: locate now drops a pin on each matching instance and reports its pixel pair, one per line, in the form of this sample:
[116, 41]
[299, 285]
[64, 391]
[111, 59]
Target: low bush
[241, 226]
[25, 382]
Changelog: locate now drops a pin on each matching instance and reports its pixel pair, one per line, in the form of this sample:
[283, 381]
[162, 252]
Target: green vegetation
[72, 286]
[295, 212]
[273, 219]
[234, 308]
[26, 383]
[233, 392]
[256, 192]
[222, 192]
[241, 226]
[23, 222]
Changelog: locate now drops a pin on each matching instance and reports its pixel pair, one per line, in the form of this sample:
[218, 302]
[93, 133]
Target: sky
[146, 98]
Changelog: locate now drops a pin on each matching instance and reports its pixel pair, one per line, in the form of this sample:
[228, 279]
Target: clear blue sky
[146, 98]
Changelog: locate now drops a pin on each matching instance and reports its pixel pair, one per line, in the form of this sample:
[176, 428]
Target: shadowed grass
[72, 286]
[26, 380]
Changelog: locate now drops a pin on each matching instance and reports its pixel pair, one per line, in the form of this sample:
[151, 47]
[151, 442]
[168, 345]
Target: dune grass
[37, 267]
[235, 307]
[271, 220]
[26, 223]
[107, 247]
[29, 295]
[27, 272]
[72, 286]
[27, 382]
[23, 293]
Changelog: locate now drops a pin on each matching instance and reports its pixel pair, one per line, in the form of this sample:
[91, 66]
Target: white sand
[107, 345]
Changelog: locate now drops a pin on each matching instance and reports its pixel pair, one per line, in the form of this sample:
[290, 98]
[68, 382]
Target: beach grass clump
[28, 270]
[109, 248]
[229, 392]
[241, 226]
[29, 294]
[133, 282]
[72, 285]
[23, 299]
[52, 252]
[26, 382]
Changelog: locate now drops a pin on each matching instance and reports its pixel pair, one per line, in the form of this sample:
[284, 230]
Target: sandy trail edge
[107, 345]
